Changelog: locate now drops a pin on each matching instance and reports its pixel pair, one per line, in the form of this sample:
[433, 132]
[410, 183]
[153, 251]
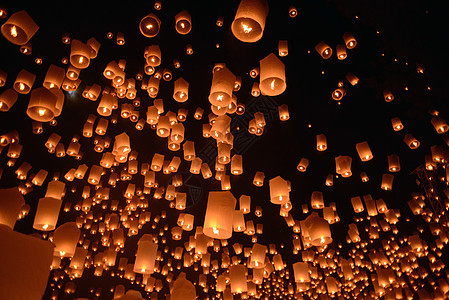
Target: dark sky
[394, 37]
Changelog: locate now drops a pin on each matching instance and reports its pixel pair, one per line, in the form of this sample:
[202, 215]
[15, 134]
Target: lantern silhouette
[182, 289]
[47, 214]
[183, 22]
[150, 25]
[145, 255]
[272, 76]
[24, 82]
[19, 28]
[249, 20]
[219, 213]
[65, 239]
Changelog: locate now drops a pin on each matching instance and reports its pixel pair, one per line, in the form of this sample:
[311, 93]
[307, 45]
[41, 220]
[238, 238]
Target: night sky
[395, 40]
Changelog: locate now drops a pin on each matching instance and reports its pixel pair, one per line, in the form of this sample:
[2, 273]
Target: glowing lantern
[54, 77]
[357, 204]
[279, 190]
[292, 11]
[237, 279]
[349, 39]
[24, 82]
[259, 178]
[80, 54]
[145, 255]
[42, 105]
[257, 258]
[65, 239]
[411, 141]
[338, 94]
[106, 104]
[272, 76]
[47, 214]
[341, 52]
[189, 150]
[219, 213]
[318, 230]
[206, 171]
[393, 163]
[237, 164]
[283, 112]
[317, 201]
[94, 47]
[7, 99]
[343, 165]
[224, 153]
[11, 201]
[183, 22]
[324, 50]
[195, 166]
[364, 151]
[182, 289]
[249, 20]
[321, 142]
[222, 87]
[388, 96]
[439, 124]
[301, 272]
[157, 162]
[303, 163]
[387, 181]
[397, 124]
[283, 48]
[19, 28]
[181, 90]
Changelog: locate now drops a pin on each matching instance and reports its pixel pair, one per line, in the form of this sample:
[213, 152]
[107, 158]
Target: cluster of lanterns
[374, 267]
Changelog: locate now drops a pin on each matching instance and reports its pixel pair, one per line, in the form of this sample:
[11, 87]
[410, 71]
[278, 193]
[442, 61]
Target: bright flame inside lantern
[21, 86]
[216, 231]
[272, 84]
[41, 112]
[246, 28]
[149, 26]
[45, 226]
[14, 31]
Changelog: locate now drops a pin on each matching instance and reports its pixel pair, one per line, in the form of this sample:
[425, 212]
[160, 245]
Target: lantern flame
[14, 31]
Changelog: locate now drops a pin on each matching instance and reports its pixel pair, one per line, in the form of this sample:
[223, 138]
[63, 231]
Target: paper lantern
[219, 213]
[54, 77]
[338, 94]
[284, 115]
[189, 150]
[80, 54]
[343, 165]
[7, 99]
[237, 279]
[42, 105]
[292, 11]
[279, 190]
[224, 153]
[388, 96]
[302, 166]
[47, 214]
[272, 76]
[181, 90]
[249, 20]
[145, 255]
[24, 82]
[25, 264]
[195, 166]
[301, 272]
[259, 178]
[387, 182]
[182, 289]
[206, 171]
[183, 22]
[65, 239]
[393, 163]
[157, 162]
[257, 258]
[317, 201]
[341, 52]
[411, 141]
[19, 28]
[150, 25]
[439, 124]
[321, 142]
[121, 147]
[364, 151]
[318, 230]
[324, 50]
[237, 164]
[283, 48]
[350, 41]
[222, 87]
[397, 124]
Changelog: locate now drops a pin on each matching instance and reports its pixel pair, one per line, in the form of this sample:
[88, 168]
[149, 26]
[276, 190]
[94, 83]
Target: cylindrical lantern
[150, 25]
[343, 165]
[145, 255]
[222, 87]
[257, 258]
[301, 272]
[279, 190]
[387, 182]
[272, 76]
[321, 142]
[65, 239]
[42, 105]
[183, 22]
[411, 141]
[237, 278]
[219, 213]
[47, 214]
[80, 54]
[318, 230]
[11, 201]
[349, 39]
[249, 20]
[19, 28]
[364, 151]
[181, 90]
[324, 50]
[7, 99]
[394, 164]
[303, 163]
[24, 82]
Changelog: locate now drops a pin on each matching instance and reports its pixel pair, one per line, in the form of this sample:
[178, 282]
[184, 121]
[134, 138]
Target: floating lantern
[47, 214]
[24, 82]
[219, 213]
[279, 190]
[343, 165]
[364, 151]
[19, 28]
[80, 54]
[249, 20]
[181, 90]
[324, 50]
[272, 76]
[145, 255]
[183, 22]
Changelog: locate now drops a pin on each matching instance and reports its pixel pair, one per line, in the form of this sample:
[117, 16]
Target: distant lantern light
[338, 94]
[272, 76]
[341, 52]
[397, 124]
[249, 20]
[183, 22]
[292, 11]
[388, 96]
[321, 142]
[19, 28]
[150, 25]
[324, 50]
[350, 41]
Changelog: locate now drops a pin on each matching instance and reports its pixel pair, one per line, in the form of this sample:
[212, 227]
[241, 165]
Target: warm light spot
[272, 84]
[246, 28]
[219, 97]
[215, 230]
[45, 226]
[149, 26]
[41, 112]
[14, 31]
[81, 59]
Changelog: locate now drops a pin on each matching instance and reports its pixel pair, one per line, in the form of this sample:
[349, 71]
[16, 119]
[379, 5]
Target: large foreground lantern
[19, 28]
[249, 20]
[219, 214]
[42, 105]
[145, 255]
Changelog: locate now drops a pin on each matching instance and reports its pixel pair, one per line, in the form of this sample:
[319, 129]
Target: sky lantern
[318, 229]
[24, 82]
[42, 105]
[11, 201]
[249, 20]
[272, 76]
[343, 165]
[364, 151]
[181, 90]
[145, 255]
[237, 279]
[19, 28]
[7, 99]
[47, 214]
[219, 213]
[183, 22]
[222, 87]
[279, 191]
[324, 50]
[80, 54]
